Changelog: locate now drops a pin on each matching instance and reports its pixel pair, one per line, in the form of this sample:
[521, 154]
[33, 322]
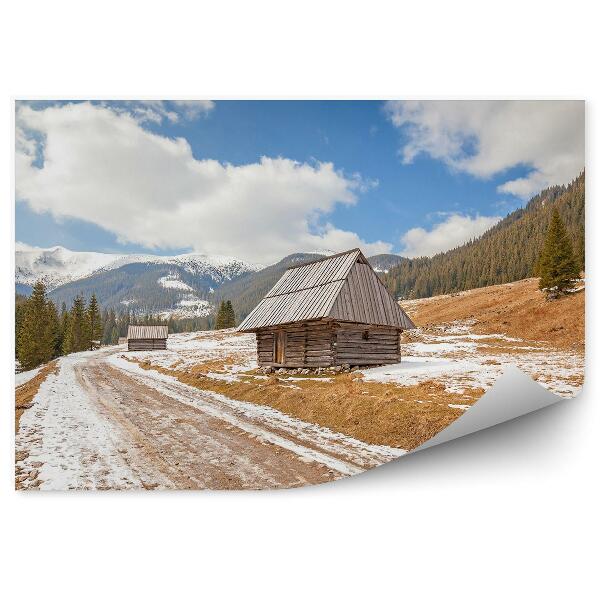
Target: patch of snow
[171, 281]
[78, 448]
[413, 370]
[25, 376]
[453, 355]
[186, 350]
[188, 307]
[323, 251]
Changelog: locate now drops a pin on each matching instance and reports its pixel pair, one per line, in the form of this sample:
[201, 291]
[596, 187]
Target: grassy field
[516, 309]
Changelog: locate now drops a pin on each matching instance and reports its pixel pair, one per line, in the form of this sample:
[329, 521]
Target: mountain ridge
[58, 265]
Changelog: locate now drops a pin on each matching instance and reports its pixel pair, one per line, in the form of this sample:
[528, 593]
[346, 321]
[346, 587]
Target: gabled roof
[147, 332]
[343, 287]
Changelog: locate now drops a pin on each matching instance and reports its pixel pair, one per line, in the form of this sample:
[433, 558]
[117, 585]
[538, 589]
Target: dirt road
[101, 422]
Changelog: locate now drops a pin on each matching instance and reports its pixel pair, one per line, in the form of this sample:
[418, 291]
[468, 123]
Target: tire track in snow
[337, 451]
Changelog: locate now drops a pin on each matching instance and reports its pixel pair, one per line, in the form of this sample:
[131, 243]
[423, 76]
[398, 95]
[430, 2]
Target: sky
[262, 179]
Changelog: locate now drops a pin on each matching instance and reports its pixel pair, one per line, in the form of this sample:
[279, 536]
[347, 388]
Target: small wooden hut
[122, 340]
[147, 337]
[333, 311]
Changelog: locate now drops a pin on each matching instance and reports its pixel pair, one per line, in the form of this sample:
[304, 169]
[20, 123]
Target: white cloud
[484, 138]
[454, 231]
[157, 111]
[102, 166]
[192, 109]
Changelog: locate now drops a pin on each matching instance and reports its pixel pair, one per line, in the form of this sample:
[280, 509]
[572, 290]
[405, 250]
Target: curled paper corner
[514, 394]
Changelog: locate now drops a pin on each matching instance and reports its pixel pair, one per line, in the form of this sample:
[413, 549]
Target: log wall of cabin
[362, 345]
[308, 344]
[147, 344]
[323, 344]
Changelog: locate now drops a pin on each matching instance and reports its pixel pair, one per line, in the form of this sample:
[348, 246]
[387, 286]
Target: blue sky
[416, 178]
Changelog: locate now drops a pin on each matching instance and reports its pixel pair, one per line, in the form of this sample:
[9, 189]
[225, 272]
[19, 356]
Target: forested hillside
[507, 252]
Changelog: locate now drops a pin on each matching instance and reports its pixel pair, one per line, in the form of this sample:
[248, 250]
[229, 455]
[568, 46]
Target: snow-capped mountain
[57, 266]
[182, 286]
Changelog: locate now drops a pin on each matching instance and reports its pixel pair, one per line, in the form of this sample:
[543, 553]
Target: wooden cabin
[147, 337]
[333, 311]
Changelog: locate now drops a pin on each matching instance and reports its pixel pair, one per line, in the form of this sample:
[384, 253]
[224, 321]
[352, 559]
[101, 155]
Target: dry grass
[516, 309]
[25, 393]
[217, 365]
[376, 413]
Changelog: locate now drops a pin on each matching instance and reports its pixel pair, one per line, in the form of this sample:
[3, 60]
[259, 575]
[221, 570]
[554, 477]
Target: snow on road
[102, 422]
[253, 418]
[68, 442]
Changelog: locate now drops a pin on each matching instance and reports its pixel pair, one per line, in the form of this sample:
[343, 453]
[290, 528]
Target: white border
[506, 513]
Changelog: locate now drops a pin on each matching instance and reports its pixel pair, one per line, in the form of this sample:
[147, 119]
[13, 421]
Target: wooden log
[367, 344]
[379, 358]
[367, 353]
[367, 361]
[370, 335]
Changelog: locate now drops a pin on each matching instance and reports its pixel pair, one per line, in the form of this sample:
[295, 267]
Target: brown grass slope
[516, 309]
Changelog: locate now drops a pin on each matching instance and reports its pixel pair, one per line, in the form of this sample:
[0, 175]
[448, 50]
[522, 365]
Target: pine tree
[171, 324]
[109, 324]
[221, 322]
[65, 320]
[94, 324]
[581, 250]
[230, 314]
[77, 338]
[36, 335]
[124, 322]
[114, 335]
[54, 328]
[557, 266]
[20, 306]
